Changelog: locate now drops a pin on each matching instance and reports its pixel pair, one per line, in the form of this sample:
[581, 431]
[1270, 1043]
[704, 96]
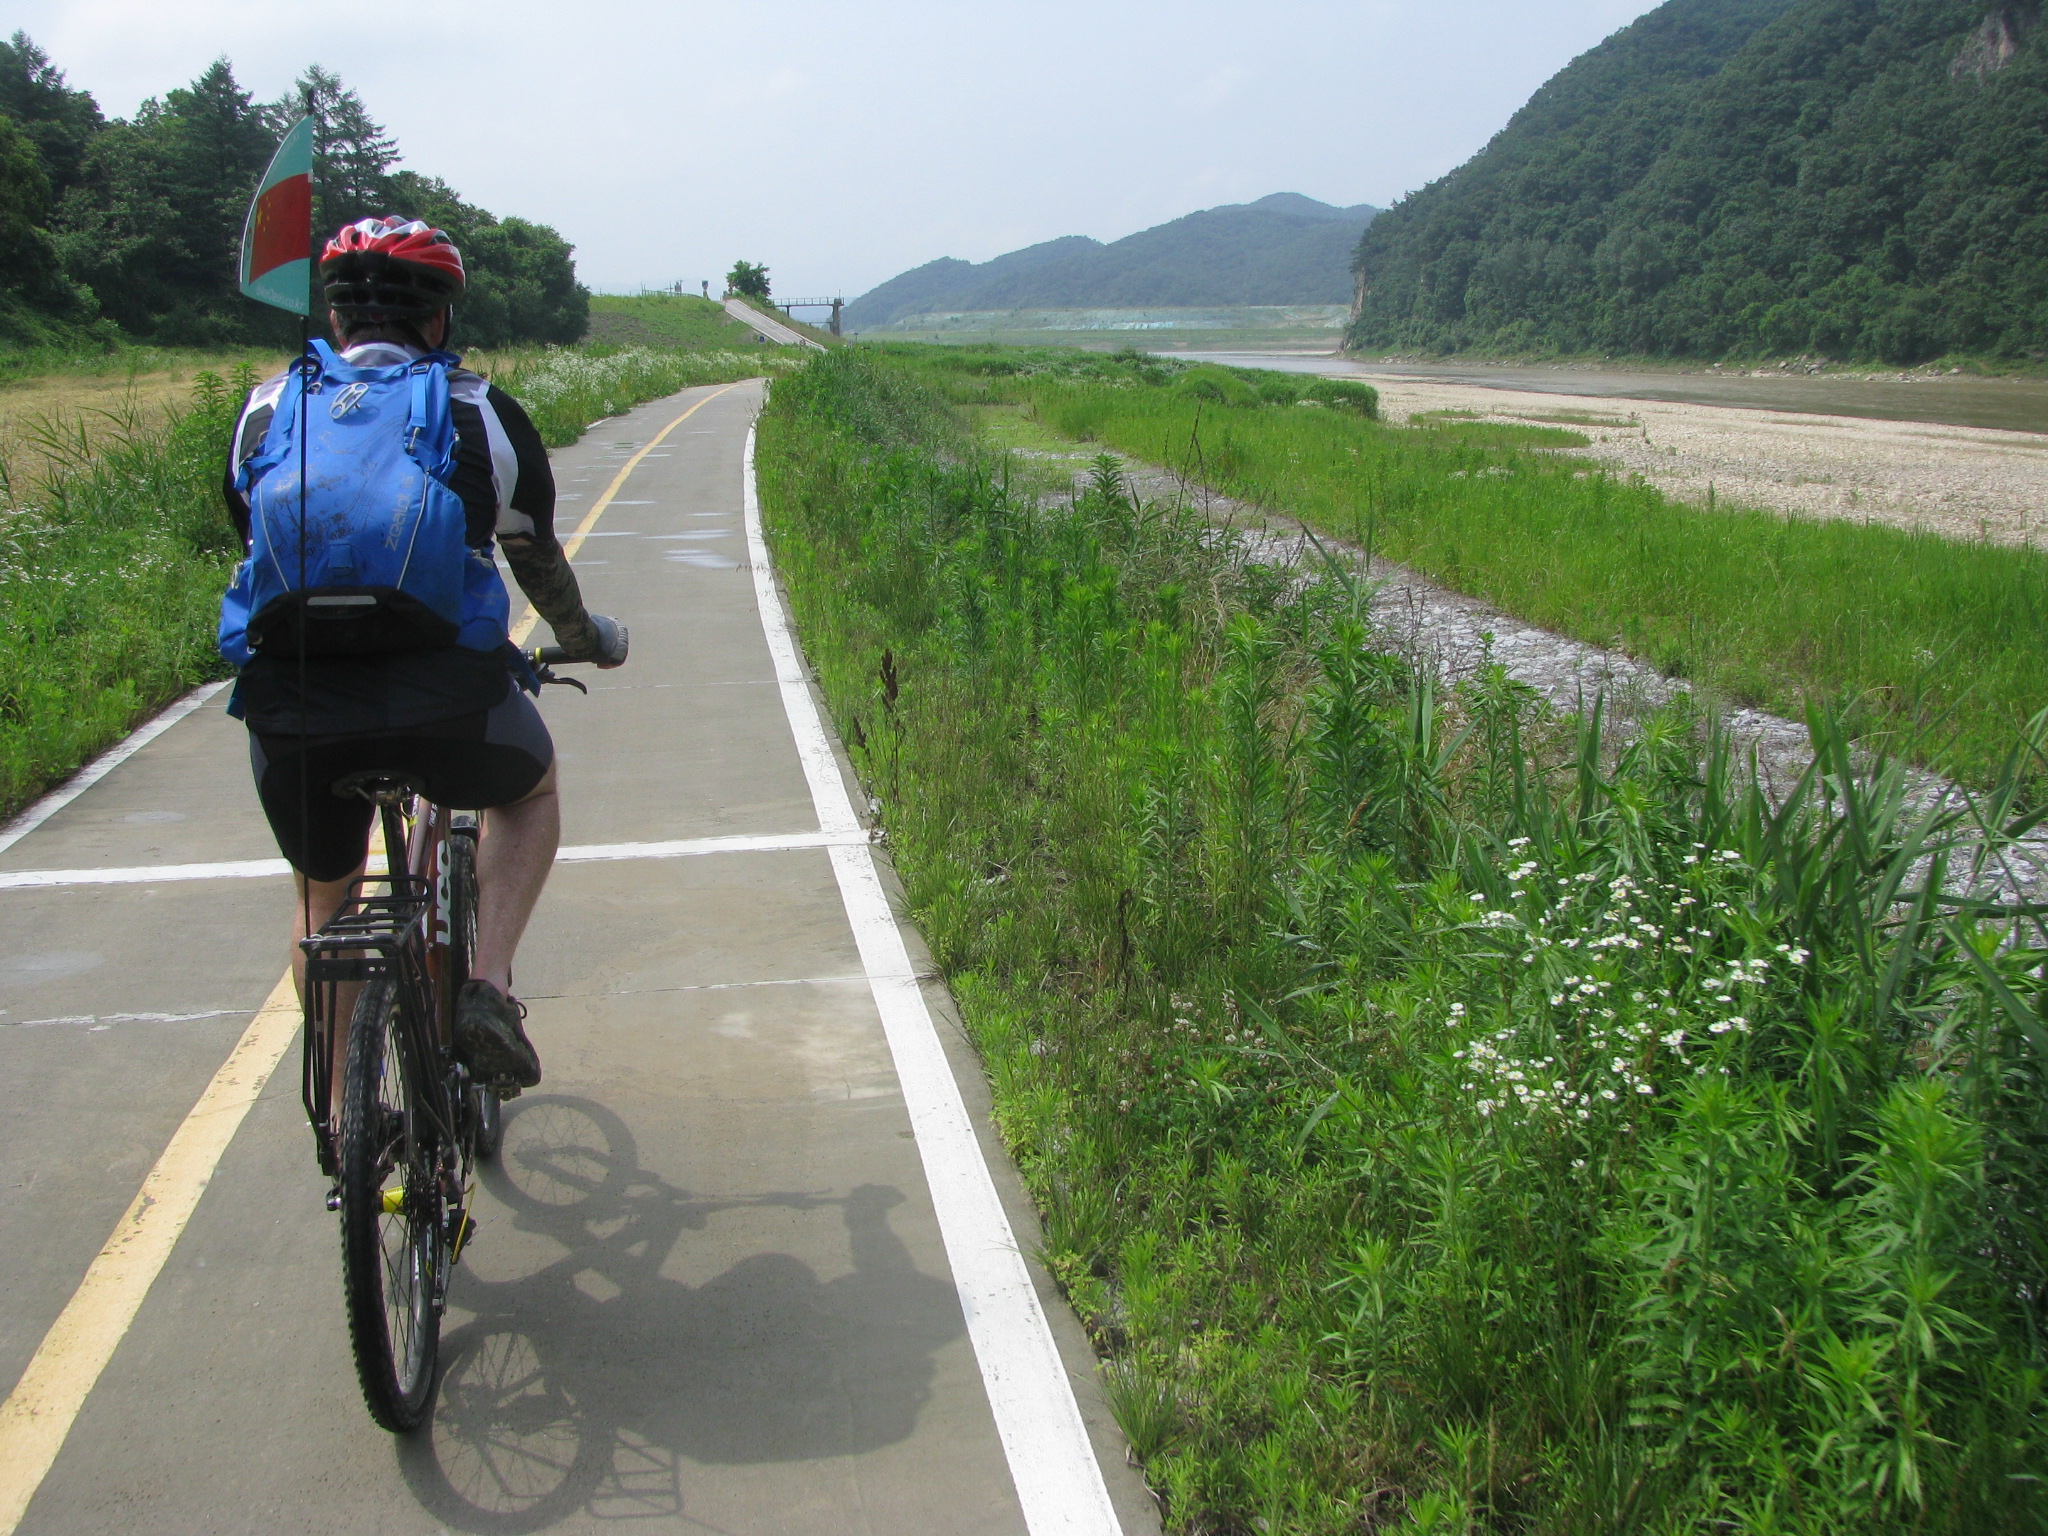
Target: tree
[352, 154]
[747, 279]
[58, 122]
[155, 225]
[1858, 178]
[33, 287]
[522, 278]
[143, 221]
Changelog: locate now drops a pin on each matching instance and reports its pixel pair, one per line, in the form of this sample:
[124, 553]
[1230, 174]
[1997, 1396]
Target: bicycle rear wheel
[393, 1234]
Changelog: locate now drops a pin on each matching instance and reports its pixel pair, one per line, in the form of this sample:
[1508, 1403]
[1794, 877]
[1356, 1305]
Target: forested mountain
[133, 226]
[1282, 249]
[1855, 178]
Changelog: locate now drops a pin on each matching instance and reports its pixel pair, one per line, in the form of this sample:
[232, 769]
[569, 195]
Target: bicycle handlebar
[612, 644]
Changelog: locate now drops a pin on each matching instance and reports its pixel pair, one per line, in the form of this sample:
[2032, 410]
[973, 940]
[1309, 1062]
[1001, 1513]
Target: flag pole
[279, 265]
[305, 724]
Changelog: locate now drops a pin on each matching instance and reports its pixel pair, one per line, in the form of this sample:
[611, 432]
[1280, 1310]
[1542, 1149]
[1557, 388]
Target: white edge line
[1052, 1463]
[140, 874]
[103, 765]
[261, 869]
[693, 847]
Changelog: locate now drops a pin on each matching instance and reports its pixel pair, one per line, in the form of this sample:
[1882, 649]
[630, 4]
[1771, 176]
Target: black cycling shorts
[469, 763]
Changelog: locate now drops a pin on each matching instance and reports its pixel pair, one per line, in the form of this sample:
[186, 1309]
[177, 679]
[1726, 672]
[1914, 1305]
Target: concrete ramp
[771, 329]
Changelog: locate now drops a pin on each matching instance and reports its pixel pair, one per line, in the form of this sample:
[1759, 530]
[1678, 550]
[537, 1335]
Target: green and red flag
[277, 240]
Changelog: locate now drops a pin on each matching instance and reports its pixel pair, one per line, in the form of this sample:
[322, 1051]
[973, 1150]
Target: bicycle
[413, 1123]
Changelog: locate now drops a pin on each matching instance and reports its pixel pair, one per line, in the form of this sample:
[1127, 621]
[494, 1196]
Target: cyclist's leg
[505, 767]
[318, 901]
[513, 860]
[325, 841]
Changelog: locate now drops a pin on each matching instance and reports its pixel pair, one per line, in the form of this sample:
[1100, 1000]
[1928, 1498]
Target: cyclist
[449, 715]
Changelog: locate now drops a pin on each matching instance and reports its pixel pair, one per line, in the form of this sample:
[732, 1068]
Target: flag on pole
[277, 240]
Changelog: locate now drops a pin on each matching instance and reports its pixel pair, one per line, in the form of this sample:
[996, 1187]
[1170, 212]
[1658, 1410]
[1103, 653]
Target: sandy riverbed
[1873, 450]
[1964, 482]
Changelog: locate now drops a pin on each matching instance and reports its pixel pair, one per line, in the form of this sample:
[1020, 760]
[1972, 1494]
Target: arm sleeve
[249, 431]
[526, 480]
[526, 526]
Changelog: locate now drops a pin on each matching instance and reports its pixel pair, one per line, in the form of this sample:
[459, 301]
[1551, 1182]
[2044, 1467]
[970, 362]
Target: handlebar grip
[612, 637]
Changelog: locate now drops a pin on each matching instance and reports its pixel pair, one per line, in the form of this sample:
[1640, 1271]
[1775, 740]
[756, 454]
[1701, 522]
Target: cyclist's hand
[611, 642]
[598, 639]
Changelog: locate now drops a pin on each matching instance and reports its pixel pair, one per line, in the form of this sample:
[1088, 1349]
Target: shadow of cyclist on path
[584, 1385]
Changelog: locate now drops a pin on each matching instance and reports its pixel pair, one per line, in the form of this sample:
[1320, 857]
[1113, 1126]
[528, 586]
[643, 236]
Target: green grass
[1441, 1125]
[672, 321]
[1930, 643]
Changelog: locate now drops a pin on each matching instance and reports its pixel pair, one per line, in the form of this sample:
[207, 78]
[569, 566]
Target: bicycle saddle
[369, 783]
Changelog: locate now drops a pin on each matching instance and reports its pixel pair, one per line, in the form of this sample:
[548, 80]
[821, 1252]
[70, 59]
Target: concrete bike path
[710, 1291]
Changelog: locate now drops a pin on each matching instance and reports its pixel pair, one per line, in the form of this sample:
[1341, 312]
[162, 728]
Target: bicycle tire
[487, 1113]
[392, 1259]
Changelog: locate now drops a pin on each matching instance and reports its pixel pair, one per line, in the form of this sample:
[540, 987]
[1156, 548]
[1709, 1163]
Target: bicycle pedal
[333, 1201]
[463, 1234]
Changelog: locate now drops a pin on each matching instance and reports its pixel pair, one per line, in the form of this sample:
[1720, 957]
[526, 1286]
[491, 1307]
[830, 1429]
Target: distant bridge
[835, 305]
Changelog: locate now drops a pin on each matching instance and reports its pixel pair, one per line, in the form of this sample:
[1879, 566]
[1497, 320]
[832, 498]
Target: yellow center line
[39, 1412]
[575, 540]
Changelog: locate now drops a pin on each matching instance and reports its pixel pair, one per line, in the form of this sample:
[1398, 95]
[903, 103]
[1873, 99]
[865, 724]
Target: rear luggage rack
[371, 937]
[371, 930]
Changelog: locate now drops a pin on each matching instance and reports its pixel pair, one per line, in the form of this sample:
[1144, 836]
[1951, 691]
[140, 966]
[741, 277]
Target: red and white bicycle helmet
[391, 269]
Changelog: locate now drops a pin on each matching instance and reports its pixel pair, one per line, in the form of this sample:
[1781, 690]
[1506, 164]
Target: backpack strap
[284, 412]
[429, 434]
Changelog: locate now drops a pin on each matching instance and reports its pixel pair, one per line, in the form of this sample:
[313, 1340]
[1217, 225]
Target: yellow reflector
[394, 1201]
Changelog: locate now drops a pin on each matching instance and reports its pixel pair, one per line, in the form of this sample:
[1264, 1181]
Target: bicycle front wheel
[392, 1228]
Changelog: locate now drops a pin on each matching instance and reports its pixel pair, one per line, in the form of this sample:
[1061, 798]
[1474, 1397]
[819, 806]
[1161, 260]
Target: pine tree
[58, 121]
[352, 154]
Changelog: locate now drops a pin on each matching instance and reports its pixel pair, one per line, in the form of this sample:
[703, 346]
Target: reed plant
[1443, 1121]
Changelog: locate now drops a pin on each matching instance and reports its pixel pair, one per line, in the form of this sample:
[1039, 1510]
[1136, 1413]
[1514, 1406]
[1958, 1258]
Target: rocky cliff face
[1992, 46]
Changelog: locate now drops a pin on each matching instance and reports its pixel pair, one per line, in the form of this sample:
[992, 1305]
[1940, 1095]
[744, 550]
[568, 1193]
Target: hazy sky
[843, 143]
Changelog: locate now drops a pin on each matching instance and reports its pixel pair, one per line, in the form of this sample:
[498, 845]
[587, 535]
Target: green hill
[1853, 178]
[1282, 249]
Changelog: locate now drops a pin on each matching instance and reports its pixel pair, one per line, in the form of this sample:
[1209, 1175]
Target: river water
[2014, 405]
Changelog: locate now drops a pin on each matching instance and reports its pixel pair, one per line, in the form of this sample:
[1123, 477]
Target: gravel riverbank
[1454, 636]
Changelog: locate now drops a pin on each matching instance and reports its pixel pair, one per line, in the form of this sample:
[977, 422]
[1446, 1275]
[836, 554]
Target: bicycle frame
[398, 924]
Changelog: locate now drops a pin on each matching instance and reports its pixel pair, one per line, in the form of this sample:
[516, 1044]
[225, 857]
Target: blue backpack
[379, 561]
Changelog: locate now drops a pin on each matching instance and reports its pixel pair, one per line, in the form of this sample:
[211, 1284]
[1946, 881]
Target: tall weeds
[568, 390]
[1440, 1124]
[112, 561]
